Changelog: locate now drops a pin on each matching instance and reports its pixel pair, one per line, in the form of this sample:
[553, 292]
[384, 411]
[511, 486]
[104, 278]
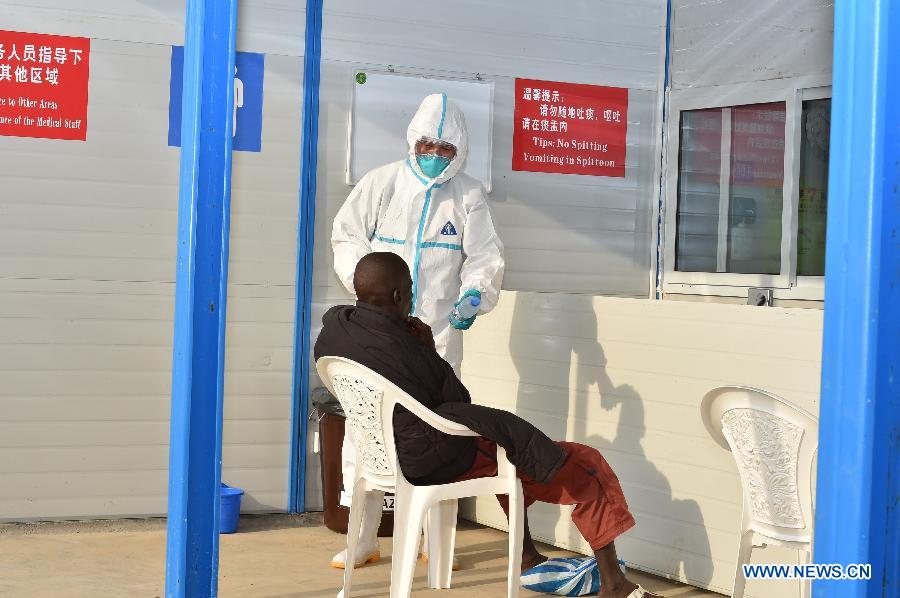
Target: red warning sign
[570, 128]
[43, 85]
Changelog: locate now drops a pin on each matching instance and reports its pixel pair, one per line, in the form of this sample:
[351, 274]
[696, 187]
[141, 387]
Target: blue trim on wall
[306, 224]
[858, 490]
[668, 42]
[660, 253]
[204, 205]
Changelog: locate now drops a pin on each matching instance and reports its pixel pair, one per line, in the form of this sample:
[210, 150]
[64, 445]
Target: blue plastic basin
[229, 508]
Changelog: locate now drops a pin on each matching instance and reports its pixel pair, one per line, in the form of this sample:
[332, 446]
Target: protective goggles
[432, 143]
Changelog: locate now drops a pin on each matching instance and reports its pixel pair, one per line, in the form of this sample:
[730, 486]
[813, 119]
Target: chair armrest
[434, 420]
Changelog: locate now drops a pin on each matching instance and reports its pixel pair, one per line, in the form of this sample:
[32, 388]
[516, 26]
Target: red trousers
[585, 480]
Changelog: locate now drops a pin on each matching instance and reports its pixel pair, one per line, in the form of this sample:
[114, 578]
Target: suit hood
[439, 118]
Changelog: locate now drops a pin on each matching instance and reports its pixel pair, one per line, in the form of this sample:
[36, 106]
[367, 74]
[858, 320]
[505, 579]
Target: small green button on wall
[360, 78]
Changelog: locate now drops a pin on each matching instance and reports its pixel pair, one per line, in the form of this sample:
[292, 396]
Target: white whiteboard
[385, 103]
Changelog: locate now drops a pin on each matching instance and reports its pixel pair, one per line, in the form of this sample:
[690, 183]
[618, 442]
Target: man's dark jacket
[382, 342]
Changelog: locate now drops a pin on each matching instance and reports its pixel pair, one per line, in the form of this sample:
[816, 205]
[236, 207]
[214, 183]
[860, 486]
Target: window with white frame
[747, 192]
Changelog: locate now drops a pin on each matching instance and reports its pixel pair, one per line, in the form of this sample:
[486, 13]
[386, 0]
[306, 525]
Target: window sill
[804, 292]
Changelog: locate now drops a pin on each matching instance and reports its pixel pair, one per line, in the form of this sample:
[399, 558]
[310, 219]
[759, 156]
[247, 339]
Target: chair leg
[357, 510]
[408, 518]
[745, 547]
[516, 537]
[805, 584]
[441, 536]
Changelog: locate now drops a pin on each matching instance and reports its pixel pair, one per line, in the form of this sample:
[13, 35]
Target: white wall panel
[270, 26]
[732, 41]
[627, 376]
[87, 270]
[608, 42]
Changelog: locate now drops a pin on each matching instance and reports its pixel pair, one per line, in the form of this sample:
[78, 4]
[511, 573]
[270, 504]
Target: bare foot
[532, 560]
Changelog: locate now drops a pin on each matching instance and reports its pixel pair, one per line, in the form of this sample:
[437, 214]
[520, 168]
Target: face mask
[432, 165]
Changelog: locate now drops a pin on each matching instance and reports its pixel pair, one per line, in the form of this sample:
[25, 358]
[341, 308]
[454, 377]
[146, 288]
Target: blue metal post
[305, 239]
[858, 502]
[195, 444]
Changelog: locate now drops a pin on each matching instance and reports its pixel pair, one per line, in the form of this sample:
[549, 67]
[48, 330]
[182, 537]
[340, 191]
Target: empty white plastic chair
[368, 400]
[774, 445]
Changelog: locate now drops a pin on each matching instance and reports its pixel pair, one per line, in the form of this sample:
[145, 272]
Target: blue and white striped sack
[573, 576]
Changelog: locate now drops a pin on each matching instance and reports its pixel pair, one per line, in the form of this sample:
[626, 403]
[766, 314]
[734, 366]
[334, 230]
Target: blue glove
[454, 319]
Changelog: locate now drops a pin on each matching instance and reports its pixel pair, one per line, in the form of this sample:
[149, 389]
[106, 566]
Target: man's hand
[421, 331]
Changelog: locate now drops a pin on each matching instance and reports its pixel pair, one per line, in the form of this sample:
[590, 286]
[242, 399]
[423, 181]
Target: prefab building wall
[87, 272]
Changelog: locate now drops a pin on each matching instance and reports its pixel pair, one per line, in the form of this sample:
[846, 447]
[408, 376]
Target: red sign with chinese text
[757, 145]
[43, 85]
[570, 128]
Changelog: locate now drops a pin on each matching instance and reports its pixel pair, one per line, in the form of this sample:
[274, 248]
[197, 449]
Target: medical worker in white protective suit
[437, 218]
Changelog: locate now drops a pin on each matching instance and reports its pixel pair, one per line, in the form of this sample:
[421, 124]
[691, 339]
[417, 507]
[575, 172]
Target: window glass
[735, 228]
[814, 142]
[699, 166]
[756, 198]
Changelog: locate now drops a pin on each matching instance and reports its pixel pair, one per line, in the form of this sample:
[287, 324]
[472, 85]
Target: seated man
[378, 334]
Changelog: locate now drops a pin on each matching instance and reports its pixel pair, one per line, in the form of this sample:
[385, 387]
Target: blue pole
[306, 223]
[204, 202]
[858, 501]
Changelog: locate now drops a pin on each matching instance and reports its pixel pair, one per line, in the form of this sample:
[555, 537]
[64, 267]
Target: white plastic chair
[774, 445]
[368, 401]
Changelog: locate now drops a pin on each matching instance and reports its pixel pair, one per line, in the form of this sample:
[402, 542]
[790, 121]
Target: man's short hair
[379, 273]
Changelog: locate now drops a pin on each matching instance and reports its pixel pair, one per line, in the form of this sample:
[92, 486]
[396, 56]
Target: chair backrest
[369, 408]
[368, 400]
[774, 445]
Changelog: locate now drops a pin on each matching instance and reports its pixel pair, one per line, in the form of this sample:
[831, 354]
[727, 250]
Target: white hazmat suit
[443, 229]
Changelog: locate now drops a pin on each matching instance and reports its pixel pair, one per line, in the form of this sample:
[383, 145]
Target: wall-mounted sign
[570, 128]
[249, 68]
[43, 85]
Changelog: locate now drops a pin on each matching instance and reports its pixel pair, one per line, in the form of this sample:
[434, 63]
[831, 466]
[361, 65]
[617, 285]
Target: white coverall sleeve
[482, 267]
[353, 228]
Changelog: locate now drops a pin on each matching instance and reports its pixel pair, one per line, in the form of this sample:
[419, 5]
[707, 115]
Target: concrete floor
[274, 556]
